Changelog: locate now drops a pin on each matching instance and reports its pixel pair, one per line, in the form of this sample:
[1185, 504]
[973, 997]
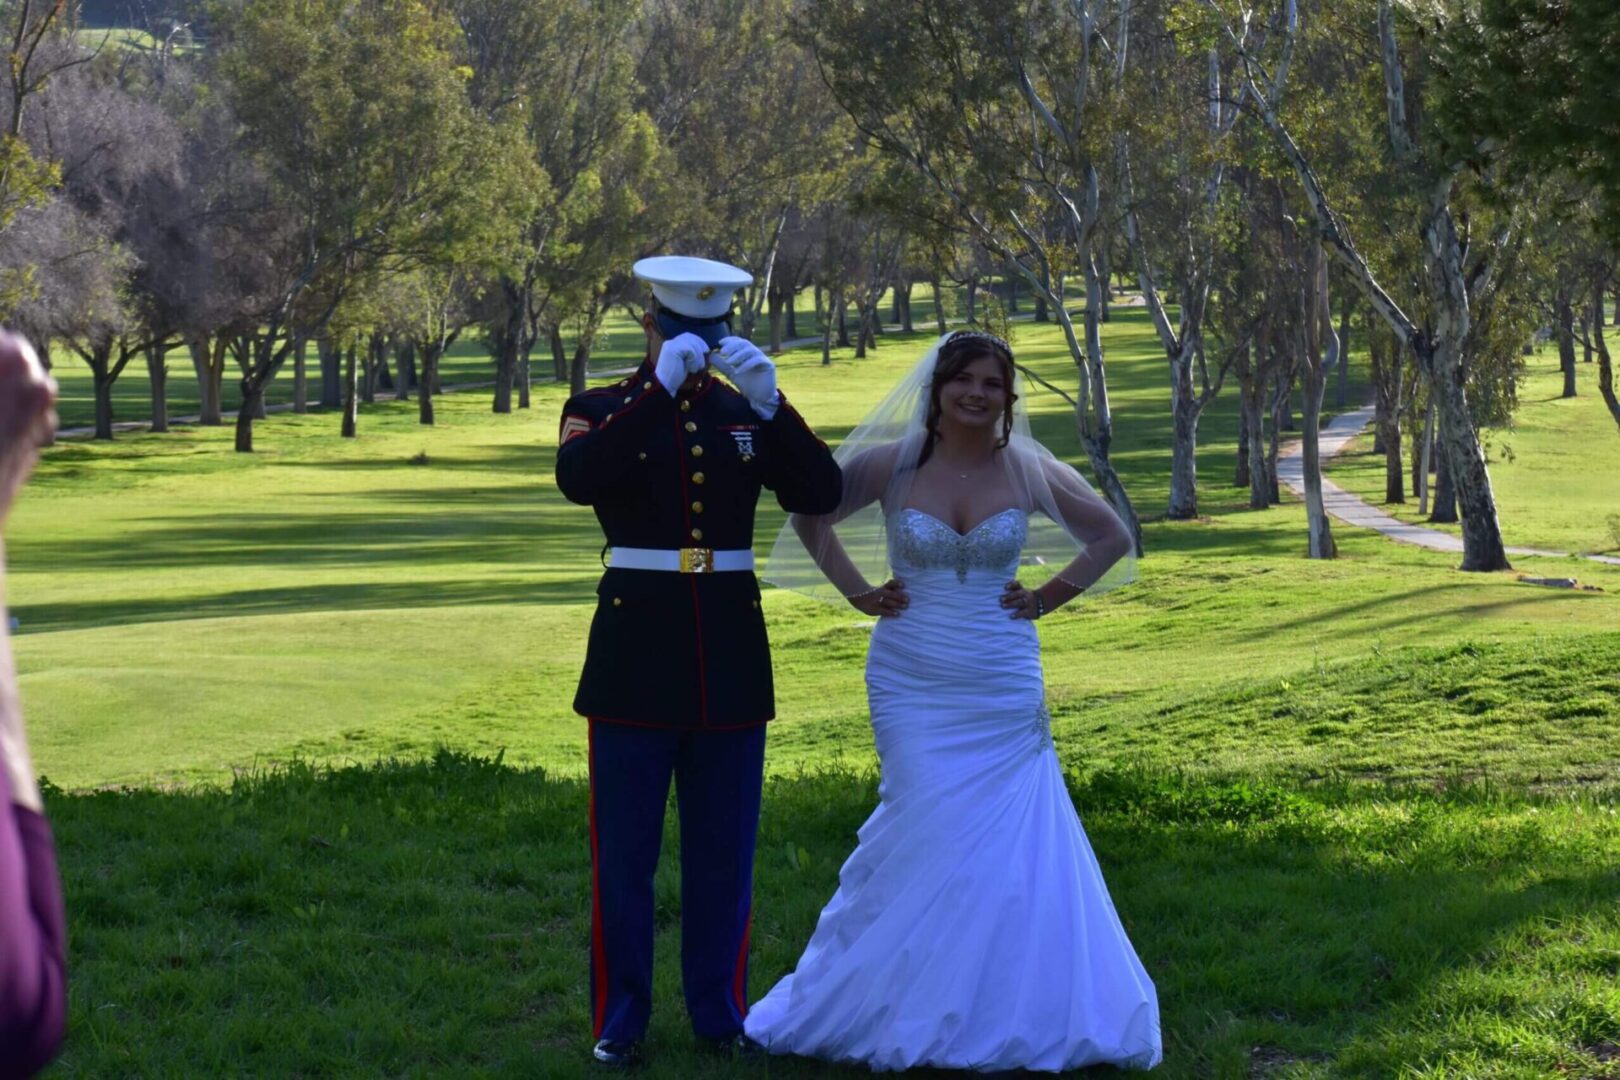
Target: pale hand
[751, 372]
[886, 602]
[679, 357]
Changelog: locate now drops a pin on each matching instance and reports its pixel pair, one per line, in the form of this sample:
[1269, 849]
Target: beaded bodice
[920, 541]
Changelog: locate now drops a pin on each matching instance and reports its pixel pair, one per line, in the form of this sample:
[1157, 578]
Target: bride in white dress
[971, 928]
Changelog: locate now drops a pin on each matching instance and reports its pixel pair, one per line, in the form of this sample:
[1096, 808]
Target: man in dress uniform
[677, 676]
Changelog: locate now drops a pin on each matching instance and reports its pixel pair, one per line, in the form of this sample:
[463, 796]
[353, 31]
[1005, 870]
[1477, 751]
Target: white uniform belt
[682, 560]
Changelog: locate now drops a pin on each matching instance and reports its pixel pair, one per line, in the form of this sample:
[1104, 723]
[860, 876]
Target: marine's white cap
[696, 288]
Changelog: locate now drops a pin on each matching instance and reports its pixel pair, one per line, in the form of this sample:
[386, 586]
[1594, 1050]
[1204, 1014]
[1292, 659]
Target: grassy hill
[321, 804]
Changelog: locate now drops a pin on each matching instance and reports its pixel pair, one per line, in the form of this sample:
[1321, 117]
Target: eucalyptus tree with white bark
[1459, 274]
[1007, 110]
[1173, 166]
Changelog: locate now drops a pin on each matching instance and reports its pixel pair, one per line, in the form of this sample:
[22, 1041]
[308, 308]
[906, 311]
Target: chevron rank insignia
[573, 427]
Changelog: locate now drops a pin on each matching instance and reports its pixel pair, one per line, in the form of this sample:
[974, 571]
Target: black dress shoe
[611, 1054]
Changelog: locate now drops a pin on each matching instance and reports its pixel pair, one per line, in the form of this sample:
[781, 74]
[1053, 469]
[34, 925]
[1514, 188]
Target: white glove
[751, 371]
[680, 356]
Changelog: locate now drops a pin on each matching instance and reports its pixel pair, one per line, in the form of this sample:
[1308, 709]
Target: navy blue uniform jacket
[676, 650]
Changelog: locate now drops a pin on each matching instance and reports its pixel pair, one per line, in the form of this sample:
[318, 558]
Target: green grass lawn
[1359, 816]
[1555, 471]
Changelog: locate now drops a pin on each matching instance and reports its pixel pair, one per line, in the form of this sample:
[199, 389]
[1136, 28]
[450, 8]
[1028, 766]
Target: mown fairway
[1556, 471]
[1359, 816]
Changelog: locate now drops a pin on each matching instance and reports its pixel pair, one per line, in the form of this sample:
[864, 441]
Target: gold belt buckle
[697, 560]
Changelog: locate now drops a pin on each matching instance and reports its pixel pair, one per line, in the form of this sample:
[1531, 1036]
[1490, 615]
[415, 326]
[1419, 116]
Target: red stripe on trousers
[598, 943]
[739, 988]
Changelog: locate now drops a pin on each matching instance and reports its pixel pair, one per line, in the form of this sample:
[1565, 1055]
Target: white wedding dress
[971, 928]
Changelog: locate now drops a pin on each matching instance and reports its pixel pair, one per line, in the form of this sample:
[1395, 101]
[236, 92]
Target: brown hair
[961, 349]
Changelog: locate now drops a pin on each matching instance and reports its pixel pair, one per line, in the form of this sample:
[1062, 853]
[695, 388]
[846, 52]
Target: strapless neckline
[952, 528]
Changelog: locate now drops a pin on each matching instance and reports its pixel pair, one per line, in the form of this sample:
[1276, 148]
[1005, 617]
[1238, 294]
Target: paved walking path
[1353, 511]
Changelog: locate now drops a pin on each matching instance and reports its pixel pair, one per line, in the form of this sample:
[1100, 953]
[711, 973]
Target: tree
[1005, 110]
[359, 116]
[1173, 167]
[1537, 80]
[1459, 278]
[36, 51]
[119, 156]
[748, 148]
[562, 75]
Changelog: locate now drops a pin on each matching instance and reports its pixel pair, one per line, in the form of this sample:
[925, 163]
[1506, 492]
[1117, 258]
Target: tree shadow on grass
[433, 918]
[331, 598]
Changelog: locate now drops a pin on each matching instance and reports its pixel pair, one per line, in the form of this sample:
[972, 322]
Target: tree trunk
[351, 394]
[791, 331]
[1605, 370]
[939, 306]
[252, 402]
[1240, 475]
[576, 369]
[1564, 310]
[1349, 307]
[1012, 294]
[1279, 409]
[863, 319]
[1444, 511]
[301, 377]
[1423, 461]
[972, 312]
[559, 354]
[377, 374]
[905, 309]
[331, 372]
[424, 397]
[843, 320]
[1184, 410]
[1394, 471]
[1464, 457]
[1254, 405]
[774, 310]
[509, 344]
[1321, 544]
[1387, 381]
[523, 378]
[826, 336]
[209, 377]
[1113, 489]
[1105, 300]
[157, 370]
[1319, 348]
[404, 370]
[103, 378]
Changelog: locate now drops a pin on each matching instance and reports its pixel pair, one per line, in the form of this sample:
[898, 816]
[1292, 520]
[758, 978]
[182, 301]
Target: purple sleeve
[33, 939]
